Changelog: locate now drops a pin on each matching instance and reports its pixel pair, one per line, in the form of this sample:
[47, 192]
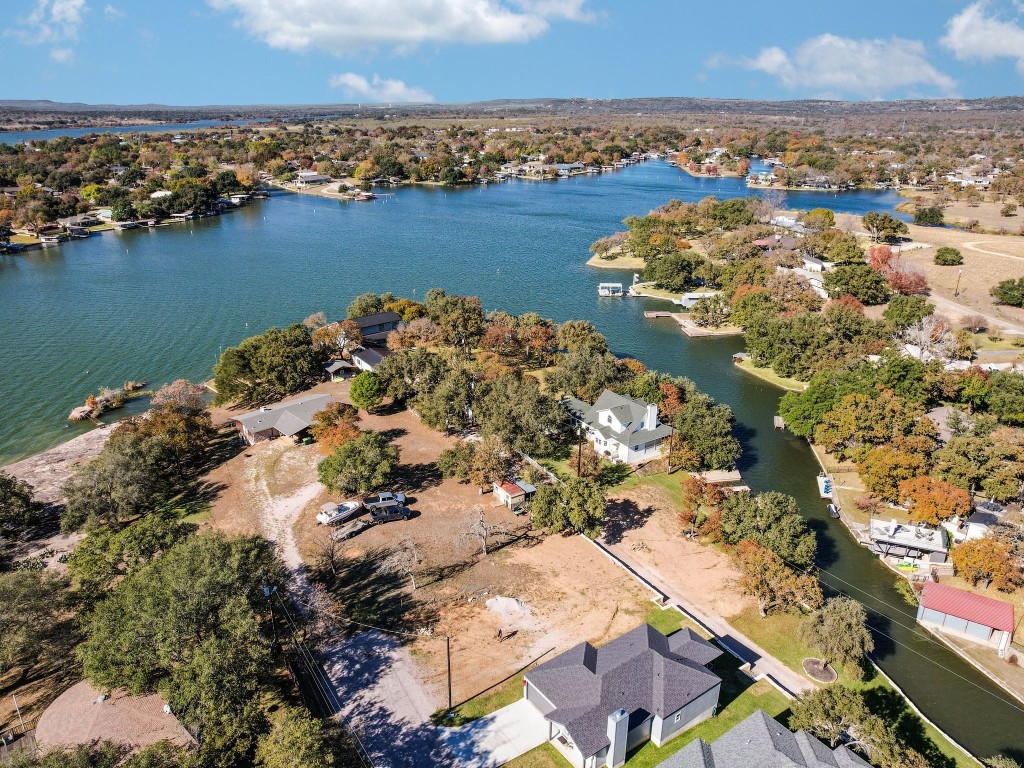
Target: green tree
[929, 217]
[410, 373]
[296, 740]
[844, 249]
[365, 304]
[586, 375]
[773, 584]
[359, 466]
[457, 461]
[576, 505]
[771, 519]
[513, 408]
[581, 336]
[675, 271]
[1006, 397]
[128, 479]
[491, 462]
[460, 318]
[883, 226]
[861, 281]
[838, 715]
[267, 367]
[838, 631]
[31, 602]
[1010, 292]
[905, 311]
[448, 406]
[366, 391]
[948, 257]
[710, 311]
[819, 219]
[189, 625]
[17, 511]
[123, 210]
[706, 428]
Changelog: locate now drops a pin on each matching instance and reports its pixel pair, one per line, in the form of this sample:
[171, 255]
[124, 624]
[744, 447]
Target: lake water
[161, 304]
[16, 137]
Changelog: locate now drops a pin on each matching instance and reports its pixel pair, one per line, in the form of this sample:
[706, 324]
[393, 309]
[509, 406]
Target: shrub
[1010, 292]
[948, 257]
[929, 217]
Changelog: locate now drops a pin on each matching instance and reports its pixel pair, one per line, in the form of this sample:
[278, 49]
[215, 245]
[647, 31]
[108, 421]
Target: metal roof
[967, 605]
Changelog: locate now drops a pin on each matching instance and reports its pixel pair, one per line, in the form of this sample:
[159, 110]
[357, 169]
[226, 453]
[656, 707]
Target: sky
[198, 52]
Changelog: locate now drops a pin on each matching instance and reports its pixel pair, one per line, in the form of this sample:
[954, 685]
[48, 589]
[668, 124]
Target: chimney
[618, 728]
[651, 419]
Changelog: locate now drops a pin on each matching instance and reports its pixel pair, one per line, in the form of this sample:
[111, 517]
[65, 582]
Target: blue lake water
[17, 137]
[161, 304]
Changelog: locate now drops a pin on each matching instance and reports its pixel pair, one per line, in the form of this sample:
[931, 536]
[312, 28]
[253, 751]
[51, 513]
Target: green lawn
[767, 374]
[670, 484]
[779, 635]
[648, 289]
[669, 620]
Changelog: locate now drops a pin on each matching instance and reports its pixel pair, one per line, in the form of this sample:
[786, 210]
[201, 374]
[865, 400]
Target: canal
[162, 304]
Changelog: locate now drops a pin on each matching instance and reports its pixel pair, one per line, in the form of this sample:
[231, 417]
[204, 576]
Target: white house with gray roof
[284, 419]
[761, 741]
[601, 703]
[620, 428]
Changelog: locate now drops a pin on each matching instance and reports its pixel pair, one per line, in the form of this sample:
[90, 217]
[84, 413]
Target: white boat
[824, 486]
[610, 289]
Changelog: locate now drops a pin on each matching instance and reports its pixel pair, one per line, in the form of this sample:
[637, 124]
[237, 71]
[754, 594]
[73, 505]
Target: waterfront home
[966, 615]
[909, 544]
[376, 327]
[368, 358]
[687, 300]
[601, 703]
[761, 740]
[620, 428]
[81, 220]
[311, 179]
[513, 493]
[285, 419]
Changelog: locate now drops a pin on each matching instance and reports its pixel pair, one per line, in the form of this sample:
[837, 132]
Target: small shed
[964, 614]
[338, 369]
[513, 493]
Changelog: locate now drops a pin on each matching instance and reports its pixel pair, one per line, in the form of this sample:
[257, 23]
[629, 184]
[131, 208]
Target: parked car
[332, 514]
[383, 500]
[388, 514]
[350, 529]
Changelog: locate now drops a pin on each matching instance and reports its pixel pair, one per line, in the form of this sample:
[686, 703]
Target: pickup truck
[384, 500]
[388, 514]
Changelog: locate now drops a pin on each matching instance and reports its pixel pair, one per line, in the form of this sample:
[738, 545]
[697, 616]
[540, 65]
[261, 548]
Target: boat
[834, 512]
[824, 485]
[610, 289]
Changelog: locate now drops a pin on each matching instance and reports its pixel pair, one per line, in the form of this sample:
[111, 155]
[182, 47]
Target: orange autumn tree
[776, 587]
[987, 559]
[931, 501]
[701, 500]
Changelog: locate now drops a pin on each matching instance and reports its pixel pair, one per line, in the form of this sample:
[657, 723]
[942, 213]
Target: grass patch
[648, 289]
[494, 699]
[767, 374]
[983, 342]
[669, 620]
[669, 484]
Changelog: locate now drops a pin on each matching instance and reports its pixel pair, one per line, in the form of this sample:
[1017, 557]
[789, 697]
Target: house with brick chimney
[621, 428]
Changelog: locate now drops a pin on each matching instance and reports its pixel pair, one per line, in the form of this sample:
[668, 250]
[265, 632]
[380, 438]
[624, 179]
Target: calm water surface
[161, 304]
[16, 137]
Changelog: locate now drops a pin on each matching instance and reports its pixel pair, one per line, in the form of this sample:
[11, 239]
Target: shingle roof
[627, 411]
[371, 356]
[379, 318]
[966, 605]
[289, 417]
[760, 741]
[641, 671]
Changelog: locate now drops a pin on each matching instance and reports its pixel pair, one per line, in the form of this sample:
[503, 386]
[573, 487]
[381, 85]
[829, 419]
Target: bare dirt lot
[986, 213]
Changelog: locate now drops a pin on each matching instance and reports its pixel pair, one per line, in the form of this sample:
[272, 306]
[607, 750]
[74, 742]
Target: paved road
[762, 663]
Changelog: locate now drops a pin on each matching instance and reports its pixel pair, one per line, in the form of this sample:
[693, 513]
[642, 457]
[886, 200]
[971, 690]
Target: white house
[310, 179]
[621, 428]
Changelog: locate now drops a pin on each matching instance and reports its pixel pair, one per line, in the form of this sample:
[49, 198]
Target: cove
[161, 304]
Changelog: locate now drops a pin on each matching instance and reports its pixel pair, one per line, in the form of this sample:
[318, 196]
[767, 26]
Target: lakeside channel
[162, 305]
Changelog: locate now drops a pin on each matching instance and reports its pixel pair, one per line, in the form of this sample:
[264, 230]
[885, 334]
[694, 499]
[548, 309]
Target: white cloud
[975, 34]
[62, 55]
[112, 12]
[829, 65]
[344, 26]
[377, 89]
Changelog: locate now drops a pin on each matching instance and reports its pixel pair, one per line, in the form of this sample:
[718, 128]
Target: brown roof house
[82, 715]
[600, 703]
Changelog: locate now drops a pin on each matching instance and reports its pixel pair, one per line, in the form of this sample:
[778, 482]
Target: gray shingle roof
[641, 671]
[761, 741]
[627, 411]
[288, 418]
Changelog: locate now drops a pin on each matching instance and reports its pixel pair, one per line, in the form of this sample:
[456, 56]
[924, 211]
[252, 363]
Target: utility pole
[579, 450]
[448, 651]
[267, 592]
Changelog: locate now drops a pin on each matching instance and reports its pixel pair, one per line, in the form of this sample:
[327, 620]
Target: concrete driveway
[497, 738]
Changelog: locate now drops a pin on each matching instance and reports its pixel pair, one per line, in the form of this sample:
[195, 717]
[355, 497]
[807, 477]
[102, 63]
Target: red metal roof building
[974, 617]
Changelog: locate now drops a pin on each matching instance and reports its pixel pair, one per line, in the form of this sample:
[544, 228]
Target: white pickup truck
[384, 500]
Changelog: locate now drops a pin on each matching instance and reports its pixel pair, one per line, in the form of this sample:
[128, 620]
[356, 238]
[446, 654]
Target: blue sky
[315, 51]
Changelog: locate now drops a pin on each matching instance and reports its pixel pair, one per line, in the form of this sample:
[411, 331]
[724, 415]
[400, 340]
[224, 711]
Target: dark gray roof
[368, 321]
[761, 741]
[641, 671]
[983, 518]
[371, 356]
